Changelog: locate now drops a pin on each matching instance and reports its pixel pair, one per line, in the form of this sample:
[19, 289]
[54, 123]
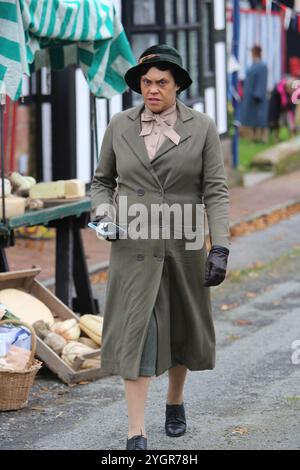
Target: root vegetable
[55, 342]
[88, 342]
[92, 327]
[68, 329]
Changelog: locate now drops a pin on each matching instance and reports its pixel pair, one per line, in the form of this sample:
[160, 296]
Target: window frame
[208, 73]
[162, 30]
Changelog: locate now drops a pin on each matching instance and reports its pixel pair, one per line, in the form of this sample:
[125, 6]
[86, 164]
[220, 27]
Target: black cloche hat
[159, 53]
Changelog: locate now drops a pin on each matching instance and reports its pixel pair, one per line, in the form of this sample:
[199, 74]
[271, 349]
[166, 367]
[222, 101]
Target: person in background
[254, 106]
[282, 109]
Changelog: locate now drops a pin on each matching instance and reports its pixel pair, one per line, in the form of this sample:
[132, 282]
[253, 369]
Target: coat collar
[136, 142]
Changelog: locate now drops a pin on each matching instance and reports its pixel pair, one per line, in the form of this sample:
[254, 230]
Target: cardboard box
[26, 281]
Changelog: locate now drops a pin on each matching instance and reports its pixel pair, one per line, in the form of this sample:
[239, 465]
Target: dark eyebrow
[159, 80]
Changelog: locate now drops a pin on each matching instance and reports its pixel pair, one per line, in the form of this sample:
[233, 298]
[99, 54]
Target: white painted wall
[47, 141]
[115, 105]
[101, 124]
[210, 102]
[221, 75]
[219, 14]
[83, 128]
[220, 108]
[199, 107]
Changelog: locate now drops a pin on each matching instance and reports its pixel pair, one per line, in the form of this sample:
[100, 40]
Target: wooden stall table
[70, 263]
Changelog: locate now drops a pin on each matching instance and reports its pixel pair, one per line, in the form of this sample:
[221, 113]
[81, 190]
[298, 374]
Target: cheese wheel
[25, 306]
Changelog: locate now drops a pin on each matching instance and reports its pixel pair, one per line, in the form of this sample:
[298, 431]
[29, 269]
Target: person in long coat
[254, 106]
[157, 317]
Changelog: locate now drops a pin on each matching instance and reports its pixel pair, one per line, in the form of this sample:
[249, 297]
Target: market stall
[71, 267]
[55, 35]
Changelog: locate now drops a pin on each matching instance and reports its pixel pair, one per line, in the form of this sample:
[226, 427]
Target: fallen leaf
[233, 337]
[99, 277]
[293, 399]
[257, 264]
[264, 220]
[37, 408]
[253, 274]
[242, 322]
[251, 294]
[240, 430]
[83, 382]
[225, 307]
[44, 389]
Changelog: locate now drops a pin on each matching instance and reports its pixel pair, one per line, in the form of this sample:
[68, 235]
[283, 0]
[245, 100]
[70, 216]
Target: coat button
[140, 257]
[140, 192]
[159, 257]
[160, 193]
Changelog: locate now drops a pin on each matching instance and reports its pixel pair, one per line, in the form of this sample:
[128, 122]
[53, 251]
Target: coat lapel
[136, 143]
[167, 145]
[133, 139]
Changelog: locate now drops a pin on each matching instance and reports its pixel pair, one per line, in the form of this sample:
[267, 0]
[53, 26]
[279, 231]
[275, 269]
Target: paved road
[251, 400]
[264, 245]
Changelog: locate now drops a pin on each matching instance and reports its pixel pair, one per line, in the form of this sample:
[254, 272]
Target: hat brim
[133, 75]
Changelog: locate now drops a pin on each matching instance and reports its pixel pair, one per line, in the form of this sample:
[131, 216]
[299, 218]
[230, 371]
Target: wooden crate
[26, 281]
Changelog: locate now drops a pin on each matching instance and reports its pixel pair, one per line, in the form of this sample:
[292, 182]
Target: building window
[178, 23]
[140, 42]
[144, 12]
[207, 37]
[169, 12]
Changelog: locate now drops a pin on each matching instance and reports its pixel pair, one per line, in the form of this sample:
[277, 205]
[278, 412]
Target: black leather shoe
[137, 443]
[175, 420]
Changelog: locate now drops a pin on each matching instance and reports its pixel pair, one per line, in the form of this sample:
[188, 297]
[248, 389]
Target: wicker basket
[15, 385]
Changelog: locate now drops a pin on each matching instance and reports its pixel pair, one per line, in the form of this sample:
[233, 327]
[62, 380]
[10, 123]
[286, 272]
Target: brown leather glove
[216, 265]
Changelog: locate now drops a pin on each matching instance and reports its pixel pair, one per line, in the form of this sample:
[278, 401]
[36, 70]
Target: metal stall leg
[3, 261]
[84, 303]
[64, 260]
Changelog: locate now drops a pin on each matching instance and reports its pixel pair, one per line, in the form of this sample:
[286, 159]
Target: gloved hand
[106, 218]
[216, 265]
[98, 218]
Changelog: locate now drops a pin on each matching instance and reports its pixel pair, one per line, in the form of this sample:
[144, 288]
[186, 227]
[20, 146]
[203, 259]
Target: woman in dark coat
[157, 317]
[254, 106]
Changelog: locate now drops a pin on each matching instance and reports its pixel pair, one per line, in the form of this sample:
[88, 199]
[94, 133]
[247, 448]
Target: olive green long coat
[161, 275]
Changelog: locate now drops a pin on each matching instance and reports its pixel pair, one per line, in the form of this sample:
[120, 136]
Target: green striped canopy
[58, 33]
